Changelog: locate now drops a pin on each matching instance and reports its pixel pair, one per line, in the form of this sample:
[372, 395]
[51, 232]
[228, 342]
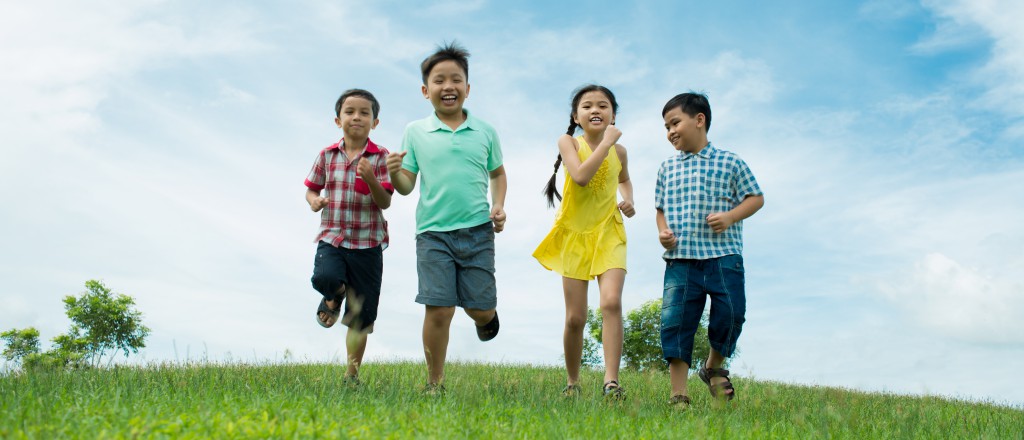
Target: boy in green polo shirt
[458, 155]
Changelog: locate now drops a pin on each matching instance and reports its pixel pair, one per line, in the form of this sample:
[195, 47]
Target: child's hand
[719, 221]
[318, 203]
[498, 217]
[365, 170]
[395, 162]
[627, 208]
[667, 239]
[611, 135]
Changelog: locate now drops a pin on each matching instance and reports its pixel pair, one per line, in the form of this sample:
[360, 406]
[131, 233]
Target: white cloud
[1003, 74]
[961, 302]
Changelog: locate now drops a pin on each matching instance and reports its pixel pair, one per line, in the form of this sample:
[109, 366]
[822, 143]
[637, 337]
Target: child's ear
[374, 124]
[337, 121]
[700, 119]
[423, 89]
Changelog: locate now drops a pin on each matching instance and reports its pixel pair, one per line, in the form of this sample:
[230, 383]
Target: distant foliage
[20, 343]
[103, 322]
[641, 348]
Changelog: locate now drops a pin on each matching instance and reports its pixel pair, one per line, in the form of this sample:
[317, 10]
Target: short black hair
[446, 52]
[691, 103]
[374, 105]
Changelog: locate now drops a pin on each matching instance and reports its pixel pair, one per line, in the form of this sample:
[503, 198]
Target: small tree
[641, 348]
[20, 343]
[103, 321]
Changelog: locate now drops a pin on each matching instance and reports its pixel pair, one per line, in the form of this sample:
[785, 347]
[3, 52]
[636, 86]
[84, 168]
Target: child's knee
[575, 323]
[440, 316]
[611, 307]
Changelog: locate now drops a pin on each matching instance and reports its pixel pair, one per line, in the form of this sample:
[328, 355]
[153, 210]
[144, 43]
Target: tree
[641, 348]
[103, 321]
[20, 343]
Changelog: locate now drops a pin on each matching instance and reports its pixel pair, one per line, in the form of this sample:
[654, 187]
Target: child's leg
[436, 324]
[678, 372]
[575, 292]
[728, 310]
[610, 284]
[682, 306]
[355, 342]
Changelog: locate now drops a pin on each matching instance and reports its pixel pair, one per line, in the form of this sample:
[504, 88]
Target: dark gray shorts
[361, 271]
[456, 268]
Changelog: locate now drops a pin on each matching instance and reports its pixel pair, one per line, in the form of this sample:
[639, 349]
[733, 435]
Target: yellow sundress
[588, 237]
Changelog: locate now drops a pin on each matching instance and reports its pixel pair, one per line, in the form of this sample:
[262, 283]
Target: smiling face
[685, 133]
[594, 113]
[447, 88]
[356, 118]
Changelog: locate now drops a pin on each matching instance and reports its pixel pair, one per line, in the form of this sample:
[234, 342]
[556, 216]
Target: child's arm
[499, 185]
[316, 203]
[665, 235]
[403, 179]
[720, 221]
[581, 173]
[625, 185]
[381, 197]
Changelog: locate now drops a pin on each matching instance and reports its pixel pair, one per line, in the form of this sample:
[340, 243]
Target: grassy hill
[483, 401]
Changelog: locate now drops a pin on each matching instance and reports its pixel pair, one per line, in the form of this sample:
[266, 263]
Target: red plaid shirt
[350, 219]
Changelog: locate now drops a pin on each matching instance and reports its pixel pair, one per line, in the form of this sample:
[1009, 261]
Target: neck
[593, 138]
[453, 121]
[354, 145]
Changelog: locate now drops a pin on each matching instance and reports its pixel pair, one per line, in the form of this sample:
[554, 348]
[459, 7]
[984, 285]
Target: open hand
[667, 239]
[498, 218]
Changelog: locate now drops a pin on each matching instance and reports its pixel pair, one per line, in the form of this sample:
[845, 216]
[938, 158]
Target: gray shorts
[456, 268]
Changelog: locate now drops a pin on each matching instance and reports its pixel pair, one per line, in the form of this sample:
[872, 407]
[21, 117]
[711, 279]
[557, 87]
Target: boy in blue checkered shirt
[702, 196]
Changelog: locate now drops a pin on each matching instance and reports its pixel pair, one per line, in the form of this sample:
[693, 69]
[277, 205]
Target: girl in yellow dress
[588, 239]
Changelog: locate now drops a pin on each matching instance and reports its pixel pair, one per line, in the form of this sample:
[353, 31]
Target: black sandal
[331, 313]
[612, 390]
[679, 401]
[706, 374]
[488, 331]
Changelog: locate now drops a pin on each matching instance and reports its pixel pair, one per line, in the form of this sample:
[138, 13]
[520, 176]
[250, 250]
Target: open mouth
[596, 120]
[448, 99]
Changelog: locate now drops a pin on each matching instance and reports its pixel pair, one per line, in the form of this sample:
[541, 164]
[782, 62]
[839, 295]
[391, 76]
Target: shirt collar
[371, 148]
[469, 123]
[705, 153]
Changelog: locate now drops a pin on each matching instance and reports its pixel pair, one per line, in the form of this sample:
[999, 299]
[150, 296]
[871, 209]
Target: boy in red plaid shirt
[353, 233]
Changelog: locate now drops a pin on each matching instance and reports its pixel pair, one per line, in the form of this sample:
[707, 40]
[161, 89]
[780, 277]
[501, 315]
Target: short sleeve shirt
[351, 219]
[692, 186]
[454, 168]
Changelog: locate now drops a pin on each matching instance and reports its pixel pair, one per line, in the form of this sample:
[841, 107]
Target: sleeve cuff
[313, 186]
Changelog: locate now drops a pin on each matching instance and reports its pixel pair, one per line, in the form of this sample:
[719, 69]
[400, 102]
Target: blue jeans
[687, 284]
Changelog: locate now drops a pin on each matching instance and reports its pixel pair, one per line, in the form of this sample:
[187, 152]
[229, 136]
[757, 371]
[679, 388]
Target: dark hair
[549, 190]
[446, 52]
[374, 105]
[691, 103]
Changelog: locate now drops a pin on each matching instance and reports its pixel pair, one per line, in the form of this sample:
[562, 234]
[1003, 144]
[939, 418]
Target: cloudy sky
[161, 146]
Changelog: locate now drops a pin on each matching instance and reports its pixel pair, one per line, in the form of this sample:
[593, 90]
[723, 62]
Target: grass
[483, 401]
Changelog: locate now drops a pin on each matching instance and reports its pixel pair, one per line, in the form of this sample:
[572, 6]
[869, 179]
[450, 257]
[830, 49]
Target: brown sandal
[707, 373]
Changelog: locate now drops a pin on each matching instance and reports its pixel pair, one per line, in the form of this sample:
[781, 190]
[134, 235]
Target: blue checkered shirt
[691, 186]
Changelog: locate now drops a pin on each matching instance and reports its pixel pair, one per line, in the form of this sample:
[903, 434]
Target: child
[353, 233]
[588, 239]
[458, 155]
[702, 196]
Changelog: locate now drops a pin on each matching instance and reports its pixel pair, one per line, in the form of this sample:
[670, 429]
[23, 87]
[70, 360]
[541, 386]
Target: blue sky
[161, 147]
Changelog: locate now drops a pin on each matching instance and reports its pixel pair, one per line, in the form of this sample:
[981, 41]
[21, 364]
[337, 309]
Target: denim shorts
[687, 284]
[360, 270]
[456, 268]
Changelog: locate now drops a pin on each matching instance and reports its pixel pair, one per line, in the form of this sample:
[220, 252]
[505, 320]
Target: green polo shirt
[454, 171]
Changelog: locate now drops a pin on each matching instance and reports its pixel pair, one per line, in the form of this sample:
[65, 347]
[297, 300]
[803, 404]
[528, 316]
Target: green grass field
[483, 401]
